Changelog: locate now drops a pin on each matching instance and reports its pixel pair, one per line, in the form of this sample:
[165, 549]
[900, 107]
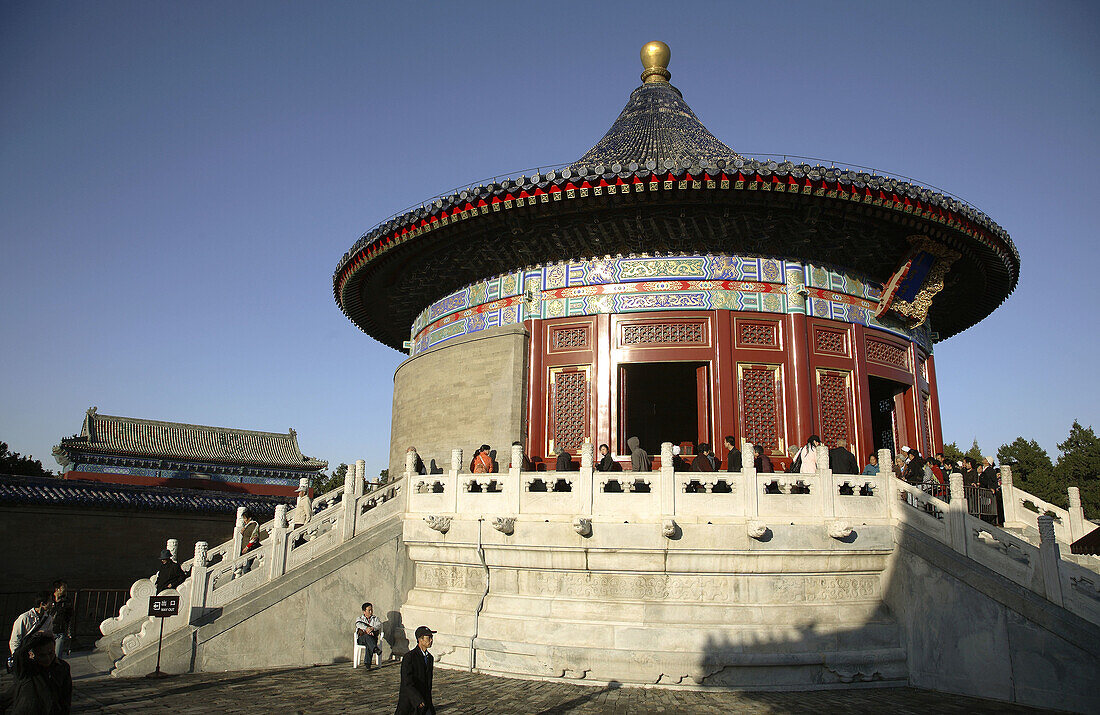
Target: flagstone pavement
[340, 689]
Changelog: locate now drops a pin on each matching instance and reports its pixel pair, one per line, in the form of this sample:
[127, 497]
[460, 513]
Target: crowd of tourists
[930, 473]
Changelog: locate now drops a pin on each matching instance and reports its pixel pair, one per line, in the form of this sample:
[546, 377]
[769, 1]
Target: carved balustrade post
[1050, 560]
[347, 502]
[1076, 515]
[173, 546]
[514, 486]
[666, 481]
[198, 582]
[826, 493]
[451, 485]
[749, 487]
[360, 477]
[410, 465]
[956, 514]
[1008, 497]
[890, 489]
[278, 544]
[586, 481]
[237, 544]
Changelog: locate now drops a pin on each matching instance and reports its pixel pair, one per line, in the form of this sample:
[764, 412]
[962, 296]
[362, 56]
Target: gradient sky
[179, 180]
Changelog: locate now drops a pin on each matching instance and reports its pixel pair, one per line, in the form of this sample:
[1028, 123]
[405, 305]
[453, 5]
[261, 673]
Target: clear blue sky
[178, 180]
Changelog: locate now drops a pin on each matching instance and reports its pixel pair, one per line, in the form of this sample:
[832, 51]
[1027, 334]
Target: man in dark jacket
[415, 696]
[733, 455]
[841, 461]
[169, 575]
[43, 683]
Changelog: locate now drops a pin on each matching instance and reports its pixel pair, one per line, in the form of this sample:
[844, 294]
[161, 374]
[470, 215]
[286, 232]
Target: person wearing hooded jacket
[169, 575]
[639, 459]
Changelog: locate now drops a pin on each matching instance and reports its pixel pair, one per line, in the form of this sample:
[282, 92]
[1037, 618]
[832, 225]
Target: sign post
[162, 607]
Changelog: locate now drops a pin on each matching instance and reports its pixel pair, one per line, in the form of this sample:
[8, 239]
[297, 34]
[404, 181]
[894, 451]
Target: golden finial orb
[655, 57]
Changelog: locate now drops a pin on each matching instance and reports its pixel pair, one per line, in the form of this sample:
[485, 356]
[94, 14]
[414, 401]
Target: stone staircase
[735, 580]
[220, 581]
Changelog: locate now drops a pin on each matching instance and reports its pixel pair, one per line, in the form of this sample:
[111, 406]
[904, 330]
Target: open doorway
[663, 402]
[884, 420]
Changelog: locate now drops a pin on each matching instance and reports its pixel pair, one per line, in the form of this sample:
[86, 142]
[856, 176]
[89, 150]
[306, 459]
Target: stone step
[716, 666]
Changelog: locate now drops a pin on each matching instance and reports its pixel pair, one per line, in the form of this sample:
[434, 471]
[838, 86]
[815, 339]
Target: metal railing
[980, 502]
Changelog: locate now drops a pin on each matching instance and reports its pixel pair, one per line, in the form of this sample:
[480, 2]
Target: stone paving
[340, 689]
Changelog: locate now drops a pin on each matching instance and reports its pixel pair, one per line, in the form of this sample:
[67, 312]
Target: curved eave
[919, 210]
[67, 451]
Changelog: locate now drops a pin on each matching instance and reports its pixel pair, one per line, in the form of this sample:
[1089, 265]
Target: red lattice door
[570, 408]
[834, 405]
[760, 389]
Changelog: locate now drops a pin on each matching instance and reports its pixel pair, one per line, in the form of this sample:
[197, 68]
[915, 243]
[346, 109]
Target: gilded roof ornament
[655, 57]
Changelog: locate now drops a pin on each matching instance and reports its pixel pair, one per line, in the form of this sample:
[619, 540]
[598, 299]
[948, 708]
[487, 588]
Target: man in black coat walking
[841, 461]
[415, 696]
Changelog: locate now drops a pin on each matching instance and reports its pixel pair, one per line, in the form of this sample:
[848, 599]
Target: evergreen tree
[952, 453]
[1032, 470]
[336, 479]
[1079, 466]
[15, 463]
[975, 452]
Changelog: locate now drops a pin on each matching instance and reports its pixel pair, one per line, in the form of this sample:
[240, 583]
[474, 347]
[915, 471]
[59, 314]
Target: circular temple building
[666, 287]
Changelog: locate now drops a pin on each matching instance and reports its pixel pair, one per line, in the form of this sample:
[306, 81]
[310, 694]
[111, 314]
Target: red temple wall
[822, 368]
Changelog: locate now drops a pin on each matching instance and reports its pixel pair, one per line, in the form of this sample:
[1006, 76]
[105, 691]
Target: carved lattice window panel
[764, 335]
[568, 409]
[570, 338]
[830, 342]
[664, 334]
[924, 369]
[887, 354]
[761, 405]
[834, 403]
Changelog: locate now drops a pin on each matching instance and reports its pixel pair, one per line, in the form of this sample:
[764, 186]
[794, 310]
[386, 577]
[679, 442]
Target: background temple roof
[150, 438]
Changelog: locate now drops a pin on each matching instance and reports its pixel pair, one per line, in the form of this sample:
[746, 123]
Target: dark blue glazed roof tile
[20, 490]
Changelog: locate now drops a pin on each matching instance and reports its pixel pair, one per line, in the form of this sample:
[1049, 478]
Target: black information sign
[164, 606]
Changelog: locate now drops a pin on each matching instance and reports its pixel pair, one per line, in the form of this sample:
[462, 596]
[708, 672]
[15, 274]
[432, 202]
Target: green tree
[332, 481]
[952, 453]
[1032, 470]
[15, 463]
[384, 476]
[975, 452]
[1079, 466]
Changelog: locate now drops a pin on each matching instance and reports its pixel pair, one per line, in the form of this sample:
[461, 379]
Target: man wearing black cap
[169, 575]
[415, 697]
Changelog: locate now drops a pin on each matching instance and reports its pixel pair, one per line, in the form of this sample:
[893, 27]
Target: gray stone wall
[970, 632]
[306, 617]
[96, 548]
[464, 393]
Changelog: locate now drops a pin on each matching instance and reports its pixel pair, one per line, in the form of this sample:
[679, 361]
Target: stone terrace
[339, 689]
